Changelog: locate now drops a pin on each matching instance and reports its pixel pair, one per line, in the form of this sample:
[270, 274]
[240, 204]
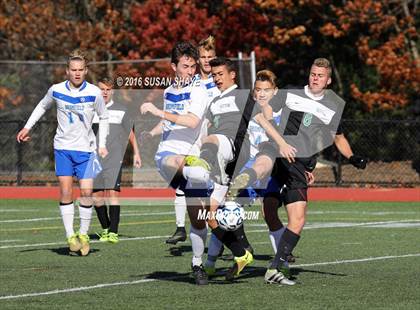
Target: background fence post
[19, 157]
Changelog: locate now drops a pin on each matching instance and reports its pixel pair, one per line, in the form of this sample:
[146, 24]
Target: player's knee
[86, 192]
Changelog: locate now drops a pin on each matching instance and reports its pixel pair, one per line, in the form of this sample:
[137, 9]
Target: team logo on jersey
[307, 119]
[82, 99]
[216, 121]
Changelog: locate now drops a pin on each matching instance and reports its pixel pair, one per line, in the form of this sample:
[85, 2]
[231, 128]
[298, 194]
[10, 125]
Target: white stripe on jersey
[301, 104]
[224, 105]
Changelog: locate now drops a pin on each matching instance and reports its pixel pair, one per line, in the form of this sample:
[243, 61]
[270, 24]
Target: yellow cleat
[240, 263]
[85, 247]
[73, 242]
[194, 161]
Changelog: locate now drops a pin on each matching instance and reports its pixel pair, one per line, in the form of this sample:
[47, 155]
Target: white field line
[39, 219]
[320, 225]
[102, 285]
[133, 213]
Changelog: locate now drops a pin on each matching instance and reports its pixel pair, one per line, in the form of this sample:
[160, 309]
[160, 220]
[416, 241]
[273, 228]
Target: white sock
[85, 218]
[198, 242]
[180, 208]
[215, 245]
[67, 215]
[196, 174]
[275, 237]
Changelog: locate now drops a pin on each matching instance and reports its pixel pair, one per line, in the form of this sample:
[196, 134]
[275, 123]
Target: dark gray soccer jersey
[120, 125]
[229, 114]
[308, 123]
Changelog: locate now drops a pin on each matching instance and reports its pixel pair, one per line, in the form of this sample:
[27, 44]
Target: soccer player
[106, 186]
[207, 52]
[74, 143]
[310, 116]
[185, 103]
[226, 147]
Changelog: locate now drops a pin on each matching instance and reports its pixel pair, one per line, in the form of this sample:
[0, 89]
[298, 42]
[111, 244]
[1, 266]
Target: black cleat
[180, 235]
[200, 276]
[291, 258]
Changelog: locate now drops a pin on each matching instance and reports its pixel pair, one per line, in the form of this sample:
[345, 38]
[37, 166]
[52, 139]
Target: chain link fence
[392, 147]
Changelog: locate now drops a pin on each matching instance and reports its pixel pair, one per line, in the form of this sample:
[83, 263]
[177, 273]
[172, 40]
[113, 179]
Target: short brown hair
[107, 81]
[324, 63]
[77, 54]
[266, 75]
[208, 44]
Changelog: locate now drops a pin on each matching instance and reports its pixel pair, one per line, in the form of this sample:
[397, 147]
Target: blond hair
[208, 44]
[266, 75]
[323, 63]
[77, 54]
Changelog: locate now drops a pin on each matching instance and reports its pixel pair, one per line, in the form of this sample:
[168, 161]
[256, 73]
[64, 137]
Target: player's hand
[287, 151]
[310, 178]
[103, 152]
[145, 136]
[150, 107]
[23, 135]
[137, 160]
[358, 161]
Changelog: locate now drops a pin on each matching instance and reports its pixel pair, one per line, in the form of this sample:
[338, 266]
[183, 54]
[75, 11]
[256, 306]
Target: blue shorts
[261, 188]
[158, 160]
[83, 165]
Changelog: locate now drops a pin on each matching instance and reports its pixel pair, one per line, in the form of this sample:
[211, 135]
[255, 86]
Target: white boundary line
[317, 226]
[102, 285]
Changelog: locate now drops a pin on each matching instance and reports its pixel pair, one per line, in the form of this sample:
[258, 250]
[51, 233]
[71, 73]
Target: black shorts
[290, 174]
[108, 179]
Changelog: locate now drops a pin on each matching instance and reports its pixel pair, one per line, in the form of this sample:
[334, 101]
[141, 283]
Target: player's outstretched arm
[136, 150]
[189, 120]
[37, 113]
[286, 150]
[344, 148]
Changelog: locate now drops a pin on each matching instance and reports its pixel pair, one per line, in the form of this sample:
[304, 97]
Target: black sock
[240, 235]
[209, 153]
[229, 239]
[286, 245]
[114, 216]
[102, 214]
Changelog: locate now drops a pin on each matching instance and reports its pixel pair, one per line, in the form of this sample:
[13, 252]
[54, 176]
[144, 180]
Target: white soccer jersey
[192, 98]
[75, 111]
[258, 135]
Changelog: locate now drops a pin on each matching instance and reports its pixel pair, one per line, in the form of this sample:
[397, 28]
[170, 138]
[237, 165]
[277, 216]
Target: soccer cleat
[103, 236]
[200, 276]
[239, 265]
[194, 161]
[73, 242]
[238, 184]
[180, 235]
[273, 276]
[291, 258]
[113, 237]
[210, 270]
[84, 241]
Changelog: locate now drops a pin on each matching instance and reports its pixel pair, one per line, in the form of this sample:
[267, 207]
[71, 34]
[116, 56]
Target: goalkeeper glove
[358, 161]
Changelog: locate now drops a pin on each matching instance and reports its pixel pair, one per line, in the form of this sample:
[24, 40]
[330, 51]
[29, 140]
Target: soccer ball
[230, 216]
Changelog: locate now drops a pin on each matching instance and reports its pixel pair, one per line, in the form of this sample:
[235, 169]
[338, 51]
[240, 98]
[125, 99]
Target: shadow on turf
[60, 251]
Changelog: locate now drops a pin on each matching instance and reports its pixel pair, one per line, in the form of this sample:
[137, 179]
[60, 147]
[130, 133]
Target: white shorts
[225, 148]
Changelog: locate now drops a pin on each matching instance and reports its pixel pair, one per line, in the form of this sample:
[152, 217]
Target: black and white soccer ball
[230, 216]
